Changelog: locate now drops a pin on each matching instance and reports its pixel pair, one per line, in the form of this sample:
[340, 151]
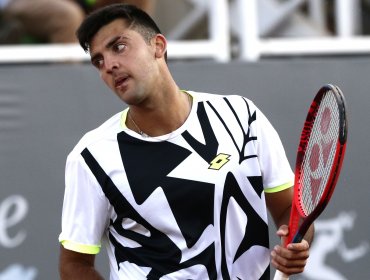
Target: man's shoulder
[233, 100]
[105, 131]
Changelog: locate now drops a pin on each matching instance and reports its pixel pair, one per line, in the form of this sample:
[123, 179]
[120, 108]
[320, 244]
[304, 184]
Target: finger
[287, 266]
[283, 231]
[302, 246]
[291, 255]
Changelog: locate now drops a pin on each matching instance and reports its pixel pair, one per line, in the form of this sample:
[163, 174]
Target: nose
[111, 64]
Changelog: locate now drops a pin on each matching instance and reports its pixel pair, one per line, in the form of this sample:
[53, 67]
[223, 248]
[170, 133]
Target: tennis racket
[319, 159]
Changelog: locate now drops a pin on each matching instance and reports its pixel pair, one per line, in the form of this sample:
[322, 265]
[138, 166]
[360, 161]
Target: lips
[120, 81]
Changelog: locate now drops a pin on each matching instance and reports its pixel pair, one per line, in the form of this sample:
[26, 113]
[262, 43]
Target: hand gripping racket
[319, 159]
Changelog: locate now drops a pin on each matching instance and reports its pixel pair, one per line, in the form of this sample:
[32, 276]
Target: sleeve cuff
[80, 248]
[279, 188]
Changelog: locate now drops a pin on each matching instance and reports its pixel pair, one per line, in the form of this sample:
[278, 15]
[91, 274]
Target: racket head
[319, 158]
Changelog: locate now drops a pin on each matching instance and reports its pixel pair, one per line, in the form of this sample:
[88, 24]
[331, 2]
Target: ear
[160, 46]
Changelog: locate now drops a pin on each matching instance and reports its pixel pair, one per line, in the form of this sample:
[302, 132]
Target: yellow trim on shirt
[279, 188]
[123, 118]
[81, 248]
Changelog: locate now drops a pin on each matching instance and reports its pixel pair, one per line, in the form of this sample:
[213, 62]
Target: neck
[169, 113]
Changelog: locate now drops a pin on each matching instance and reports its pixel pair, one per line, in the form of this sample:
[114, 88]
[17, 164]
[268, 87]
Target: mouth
[120, 81]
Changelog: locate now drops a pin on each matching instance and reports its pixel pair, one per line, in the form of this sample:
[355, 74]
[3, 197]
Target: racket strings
[320, 153]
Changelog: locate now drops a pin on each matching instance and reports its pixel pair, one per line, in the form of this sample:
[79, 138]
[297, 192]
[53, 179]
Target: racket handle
[280, 276]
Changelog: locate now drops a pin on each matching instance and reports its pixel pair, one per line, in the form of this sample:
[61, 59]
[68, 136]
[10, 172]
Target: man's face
[125, 61]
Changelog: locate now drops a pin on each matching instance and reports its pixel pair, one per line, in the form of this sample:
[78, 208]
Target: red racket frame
[299, 222]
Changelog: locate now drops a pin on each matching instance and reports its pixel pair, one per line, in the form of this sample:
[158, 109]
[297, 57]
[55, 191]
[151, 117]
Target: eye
[119, 47]
[98, 63]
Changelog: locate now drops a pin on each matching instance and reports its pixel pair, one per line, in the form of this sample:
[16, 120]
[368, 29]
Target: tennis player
[176, 186]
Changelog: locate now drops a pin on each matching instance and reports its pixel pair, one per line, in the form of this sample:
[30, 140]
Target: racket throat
[294, 223]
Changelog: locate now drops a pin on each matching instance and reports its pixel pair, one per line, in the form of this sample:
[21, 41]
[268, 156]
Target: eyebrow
[109, 45]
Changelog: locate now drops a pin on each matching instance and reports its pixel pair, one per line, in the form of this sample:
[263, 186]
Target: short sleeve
[85, 208]
[276, 171]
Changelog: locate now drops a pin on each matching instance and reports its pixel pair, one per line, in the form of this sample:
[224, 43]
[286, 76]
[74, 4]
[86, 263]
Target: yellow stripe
[279, 188]
[188, 93]
[81, 248]
[123, 118]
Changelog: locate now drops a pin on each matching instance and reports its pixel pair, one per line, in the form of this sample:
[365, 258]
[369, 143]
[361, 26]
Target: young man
[177, 184]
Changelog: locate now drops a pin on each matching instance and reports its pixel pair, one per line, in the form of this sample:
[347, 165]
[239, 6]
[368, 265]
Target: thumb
[283, 232]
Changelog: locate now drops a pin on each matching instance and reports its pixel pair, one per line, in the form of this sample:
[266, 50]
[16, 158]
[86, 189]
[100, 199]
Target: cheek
[145, 68]
[144, 61]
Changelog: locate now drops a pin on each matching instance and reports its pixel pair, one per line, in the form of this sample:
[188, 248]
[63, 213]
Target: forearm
[284, 220]
[291, 259]
[74, 265]
[280, 205]
[78, 271]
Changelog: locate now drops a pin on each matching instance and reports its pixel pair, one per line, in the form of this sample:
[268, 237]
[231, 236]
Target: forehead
[118, 27]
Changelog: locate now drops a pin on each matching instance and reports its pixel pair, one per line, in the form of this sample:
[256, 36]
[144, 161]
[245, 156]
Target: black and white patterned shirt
[187, 205]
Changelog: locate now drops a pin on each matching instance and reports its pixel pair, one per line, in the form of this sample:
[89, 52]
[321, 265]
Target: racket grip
[280, 276]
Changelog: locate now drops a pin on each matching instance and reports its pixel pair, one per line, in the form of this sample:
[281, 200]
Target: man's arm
[290, 260]
[73, 265]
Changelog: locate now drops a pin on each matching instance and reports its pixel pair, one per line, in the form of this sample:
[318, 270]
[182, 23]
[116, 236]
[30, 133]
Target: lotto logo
[219, 161]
